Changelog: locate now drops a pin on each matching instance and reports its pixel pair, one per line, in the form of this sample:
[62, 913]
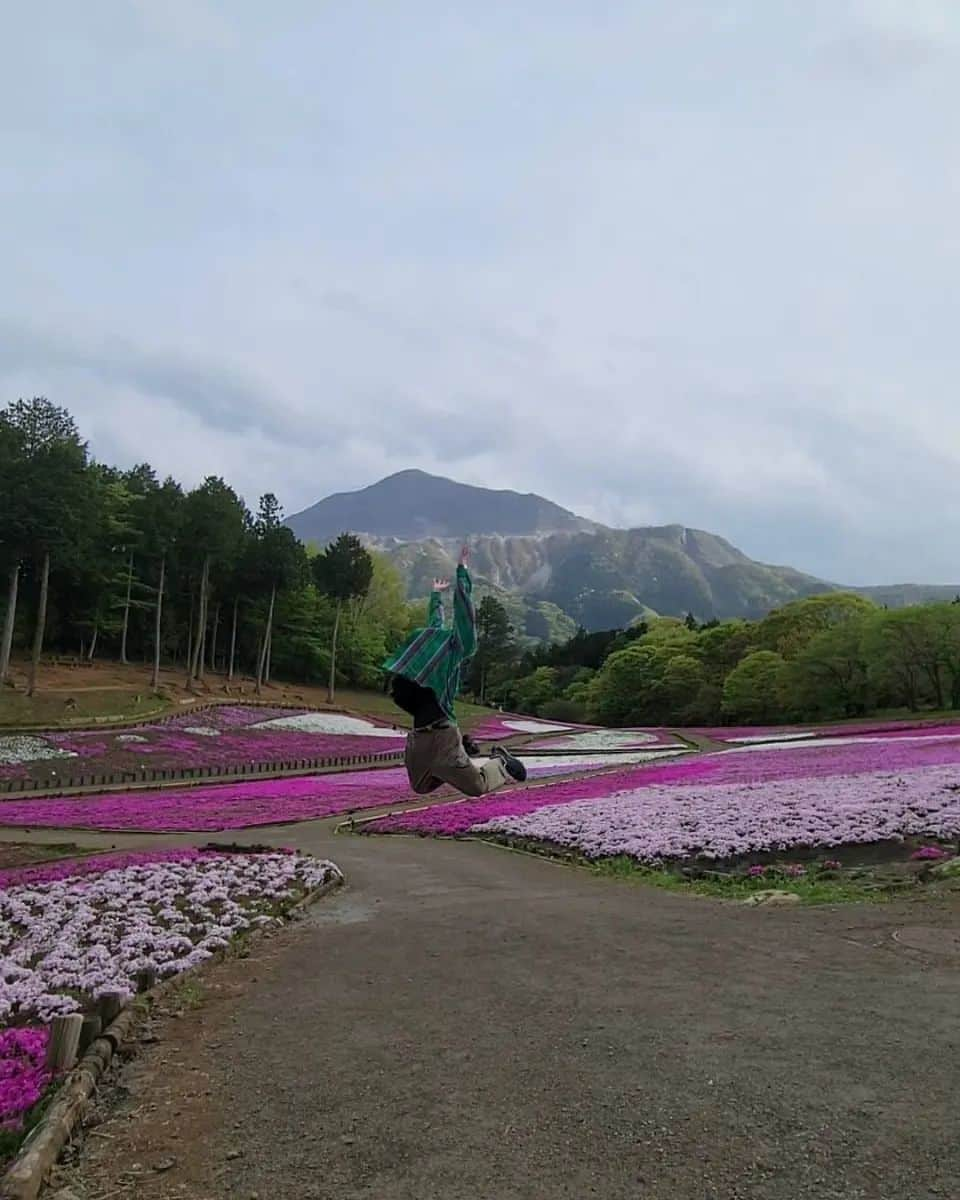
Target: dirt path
[469, 1024]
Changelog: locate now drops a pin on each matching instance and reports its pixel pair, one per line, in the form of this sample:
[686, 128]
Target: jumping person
[426, 679]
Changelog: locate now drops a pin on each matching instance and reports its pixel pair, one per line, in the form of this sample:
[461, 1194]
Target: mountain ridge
[555, 569]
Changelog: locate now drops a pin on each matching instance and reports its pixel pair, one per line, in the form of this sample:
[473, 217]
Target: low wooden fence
[149, 776]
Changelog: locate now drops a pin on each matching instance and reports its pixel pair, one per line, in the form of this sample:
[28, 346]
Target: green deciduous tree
[343, 572]
[752, 692]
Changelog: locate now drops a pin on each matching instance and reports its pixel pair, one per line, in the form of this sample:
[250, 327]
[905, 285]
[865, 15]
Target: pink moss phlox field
[607, 739]
[219, 806]
[224, 736]
[509, 725]
[74, 929]
[740, 733]
[656, 824]
[94, 864]
[23, 1073]
[237, 805]
[725, 767]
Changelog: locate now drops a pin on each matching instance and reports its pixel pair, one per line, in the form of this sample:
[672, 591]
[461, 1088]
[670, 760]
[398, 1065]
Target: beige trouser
[437, 756]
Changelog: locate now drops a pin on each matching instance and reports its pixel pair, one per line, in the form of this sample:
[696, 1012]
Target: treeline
[830, 656]
[97, 560]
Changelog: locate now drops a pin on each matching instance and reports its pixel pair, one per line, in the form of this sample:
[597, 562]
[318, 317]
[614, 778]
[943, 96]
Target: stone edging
[24, 1177]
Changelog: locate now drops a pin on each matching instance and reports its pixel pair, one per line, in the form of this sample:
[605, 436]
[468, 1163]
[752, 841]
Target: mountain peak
[413, 504]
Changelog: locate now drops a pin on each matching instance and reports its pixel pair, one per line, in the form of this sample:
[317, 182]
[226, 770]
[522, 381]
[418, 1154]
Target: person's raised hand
[464, 554]
[441, 585]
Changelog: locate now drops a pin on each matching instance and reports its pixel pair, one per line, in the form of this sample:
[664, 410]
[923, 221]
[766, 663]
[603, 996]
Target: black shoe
[513, 766]
[470, 746]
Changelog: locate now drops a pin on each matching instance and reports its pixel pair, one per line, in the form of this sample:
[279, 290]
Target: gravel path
[468, 1024]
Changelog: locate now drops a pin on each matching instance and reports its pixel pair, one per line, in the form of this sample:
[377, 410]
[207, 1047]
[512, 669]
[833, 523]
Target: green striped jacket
[433, 656]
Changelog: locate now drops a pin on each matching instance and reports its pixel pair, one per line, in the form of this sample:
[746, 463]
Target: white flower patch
[813, 742]
[604, 739]
[24, 749]
[587, 762]
[86, 935]
[202, 730]
[130, 737]
[770, 737]
[316, 722]
[534, 727]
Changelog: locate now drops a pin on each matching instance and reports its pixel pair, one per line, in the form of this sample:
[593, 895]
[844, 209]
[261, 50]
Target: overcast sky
[660, 260]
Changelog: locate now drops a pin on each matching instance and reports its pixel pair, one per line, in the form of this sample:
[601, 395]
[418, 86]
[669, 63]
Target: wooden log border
[25, 1176]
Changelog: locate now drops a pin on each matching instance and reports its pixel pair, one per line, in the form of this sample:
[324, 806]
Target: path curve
[463, 1023]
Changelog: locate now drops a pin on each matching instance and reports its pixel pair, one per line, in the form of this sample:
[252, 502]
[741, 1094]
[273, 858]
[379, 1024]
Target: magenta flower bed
[94, 864]
[170, 745]
[737, 767]
[734, 733]
[23, 1074]
[231, 805]
[220, 806]
[505, 725]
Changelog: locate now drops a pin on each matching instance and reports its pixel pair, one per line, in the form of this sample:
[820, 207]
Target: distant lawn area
[70, 695]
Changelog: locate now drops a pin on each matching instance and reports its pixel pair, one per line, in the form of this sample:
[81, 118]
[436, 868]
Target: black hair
[420, 702]
[409, 696]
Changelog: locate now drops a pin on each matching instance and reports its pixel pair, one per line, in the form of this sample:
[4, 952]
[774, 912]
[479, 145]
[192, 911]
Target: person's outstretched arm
[464, 614]
[435, 614]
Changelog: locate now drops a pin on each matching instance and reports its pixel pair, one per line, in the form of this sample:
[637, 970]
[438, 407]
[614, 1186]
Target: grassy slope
[72, 696]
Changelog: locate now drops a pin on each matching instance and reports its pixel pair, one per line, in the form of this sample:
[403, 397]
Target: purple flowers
[87, 933]
[730, 804]
[224, 736]
[722, 821]
[219, 806]
[23, 1075]
[929, 854]
[72, 930]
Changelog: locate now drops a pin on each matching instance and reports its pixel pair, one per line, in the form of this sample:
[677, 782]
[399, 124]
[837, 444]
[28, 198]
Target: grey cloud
[658, 263]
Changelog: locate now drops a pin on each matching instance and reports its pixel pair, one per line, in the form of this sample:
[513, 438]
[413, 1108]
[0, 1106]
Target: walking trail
[462, 1022]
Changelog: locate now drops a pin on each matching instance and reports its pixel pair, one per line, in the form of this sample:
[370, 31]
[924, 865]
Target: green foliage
[753, 691]
[563, 710]
[537, 689]
[787, 630]
[344, 570]
[496, 647]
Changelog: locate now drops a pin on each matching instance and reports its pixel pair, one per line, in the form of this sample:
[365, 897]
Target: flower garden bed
[73, 931]
[511, 725]
[243, 804]
[730, 807]
[220, 737]
[756, 734]
[610, 739]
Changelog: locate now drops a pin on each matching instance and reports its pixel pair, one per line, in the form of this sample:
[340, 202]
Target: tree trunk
[156, 627]
[126, 611]
[190, 638]
[41, 624]
[93, 643]
[483, 684]
[196, 666]
[266, 673]
[331, 690]
[265, 642]
[213, 638]
[6, 645]
[202, 652]
[233, 639]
